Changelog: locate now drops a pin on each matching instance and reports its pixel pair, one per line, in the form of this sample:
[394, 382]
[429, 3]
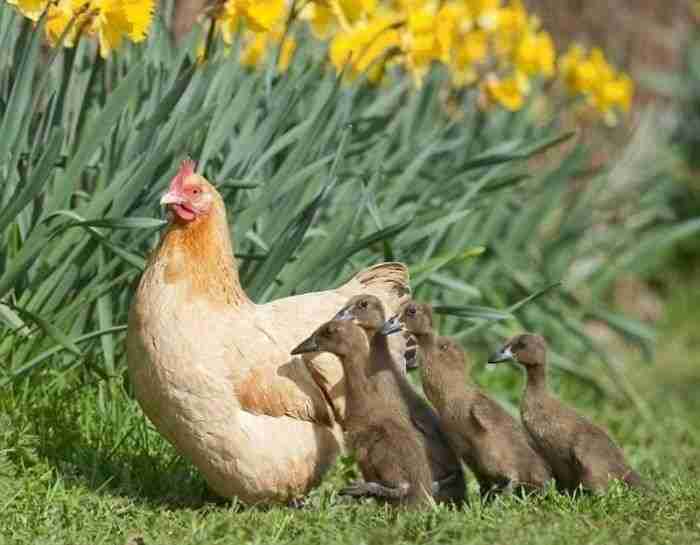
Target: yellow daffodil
[407, 6]
[513, 24]
[320, 18]
[466, 36]
[257, 45]
[462, 45]
[349, 12]
[602, 67]
[139, 13]
[264, 15]
[535, 54]
[110, 20]
[513, 18]
[32, 9]
[363, 48]
[111, 25]
[60, 16]
[258, 16]
[584, 77]
[420, 43]
[452, 21]
[486, 12]
[285, 58]
[568, 63]
[619, 92]
[229, 20]
[472, 50]
[509, 92]
[593, 77]
[115, 20]
[613, 95]
[582, 73]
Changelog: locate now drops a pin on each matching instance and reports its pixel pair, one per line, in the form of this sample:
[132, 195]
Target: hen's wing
[287, 390]
[288, 321]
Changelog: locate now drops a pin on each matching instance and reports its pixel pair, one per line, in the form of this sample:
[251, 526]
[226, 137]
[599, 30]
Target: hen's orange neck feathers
[200, 253]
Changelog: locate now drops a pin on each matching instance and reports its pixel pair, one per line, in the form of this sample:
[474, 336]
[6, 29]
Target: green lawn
[75, 468]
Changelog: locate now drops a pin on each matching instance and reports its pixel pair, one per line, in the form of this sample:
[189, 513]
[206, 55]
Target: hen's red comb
[186, 169]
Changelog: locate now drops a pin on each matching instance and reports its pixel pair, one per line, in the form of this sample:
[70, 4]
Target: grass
[88, 469]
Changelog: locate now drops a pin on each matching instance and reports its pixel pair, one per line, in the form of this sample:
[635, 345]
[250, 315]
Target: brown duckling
[579, 452]
[489, 440]
[391, 456]
[393, 386]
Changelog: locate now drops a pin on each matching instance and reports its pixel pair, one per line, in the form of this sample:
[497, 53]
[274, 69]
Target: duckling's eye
[411, 311]
[363, 304]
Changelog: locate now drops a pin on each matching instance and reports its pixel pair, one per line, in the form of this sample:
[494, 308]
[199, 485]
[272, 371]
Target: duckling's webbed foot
[442, 484]
[297, 503]
[491, 490]
[360, 489]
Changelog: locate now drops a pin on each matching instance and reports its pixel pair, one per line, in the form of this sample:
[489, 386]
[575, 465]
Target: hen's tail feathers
[391, 278]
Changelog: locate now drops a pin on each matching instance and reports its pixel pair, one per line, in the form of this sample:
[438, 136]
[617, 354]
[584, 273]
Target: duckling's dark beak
[411, 353]
[392, 325]
[411, 360]
[309, 345]
[504, 354]
[344, 314]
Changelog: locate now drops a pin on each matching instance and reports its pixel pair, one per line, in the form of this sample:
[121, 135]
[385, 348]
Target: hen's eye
[443, 347]
[363, 304]
[411, 311]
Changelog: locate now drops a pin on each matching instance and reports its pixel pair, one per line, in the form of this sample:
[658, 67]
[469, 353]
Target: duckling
[393, 386]
[579, 452]
[488, 439]
[392, 458]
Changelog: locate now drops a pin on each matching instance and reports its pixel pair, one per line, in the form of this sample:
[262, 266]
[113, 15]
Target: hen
[211, 369]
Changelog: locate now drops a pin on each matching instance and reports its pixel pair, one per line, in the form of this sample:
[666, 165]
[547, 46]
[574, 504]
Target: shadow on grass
[98, 438]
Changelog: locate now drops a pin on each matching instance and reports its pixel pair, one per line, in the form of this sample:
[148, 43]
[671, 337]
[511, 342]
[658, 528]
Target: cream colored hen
[212, 370]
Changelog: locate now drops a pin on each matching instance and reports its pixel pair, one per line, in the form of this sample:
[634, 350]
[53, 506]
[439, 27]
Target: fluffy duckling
[392, 458]
[482, 433]
[391, 384]
[579, 452]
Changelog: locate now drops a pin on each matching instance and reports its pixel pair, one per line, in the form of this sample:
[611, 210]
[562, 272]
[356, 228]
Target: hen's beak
[171, 197]
[504, 354]
[309, 345]
[392, 325]
[344, 314]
